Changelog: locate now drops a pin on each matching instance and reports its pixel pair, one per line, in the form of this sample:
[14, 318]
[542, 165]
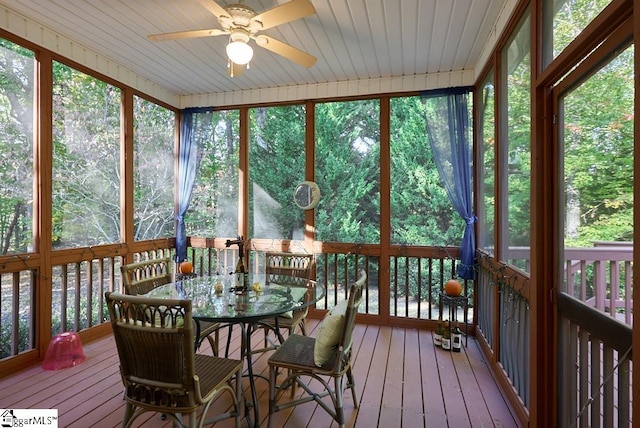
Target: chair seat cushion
[329, 333]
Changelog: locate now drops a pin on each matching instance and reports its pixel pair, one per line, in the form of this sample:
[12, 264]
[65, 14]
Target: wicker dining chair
[288, 269]
[325, 357]
[159, 367]
[142, 277]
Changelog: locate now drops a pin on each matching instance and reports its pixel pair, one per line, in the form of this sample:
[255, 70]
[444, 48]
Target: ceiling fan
[241, 24]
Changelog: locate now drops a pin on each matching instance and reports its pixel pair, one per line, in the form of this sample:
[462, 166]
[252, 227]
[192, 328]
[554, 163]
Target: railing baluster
[393, 292]
[607, 387]
[580, 339]
[624, 396]
[210, 261]
[600, 283]
[101, 290]
[64, 296]
[89, 294]
[419, 284]
[77, 296]
[366, 285]
[430, 288]
[614, 287]
[606, 358]
[628, 293]
[15, 327]
[583, 280]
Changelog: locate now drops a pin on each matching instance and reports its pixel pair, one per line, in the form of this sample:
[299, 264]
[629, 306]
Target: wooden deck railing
[502, 296]
[598, 301]
[597, 276]
[601, 277]
[80, 277]
[595, 373]
[416, 275]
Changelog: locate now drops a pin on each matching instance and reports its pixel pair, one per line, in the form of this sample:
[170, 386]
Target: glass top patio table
[215, 300]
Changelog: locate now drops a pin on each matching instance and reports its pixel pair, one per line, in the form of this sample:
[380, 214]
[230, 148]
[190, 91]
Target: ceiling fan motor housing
[242, 24]
[239, 35]
[241, 16]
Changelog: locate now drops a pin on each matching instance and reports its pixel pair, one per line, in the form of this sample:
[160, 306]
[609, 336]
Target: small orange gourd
[453, 287]
[186, 267]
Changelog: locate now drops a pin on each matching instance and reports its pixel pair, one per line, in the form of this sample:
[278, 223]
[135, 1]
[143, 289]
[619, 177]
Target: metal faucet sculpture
[241, 272]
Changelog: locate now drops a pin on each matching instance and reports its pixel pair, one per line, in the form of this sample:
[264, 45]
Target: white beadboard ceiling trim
[333, 89]
[363, 46]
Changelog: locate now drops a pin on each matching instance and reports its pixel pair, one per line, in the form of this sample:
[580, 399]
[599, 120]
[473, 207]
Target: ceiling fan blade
[285, 50]
[284, 13]
[186, 34]
[213, 7]
[233, 69]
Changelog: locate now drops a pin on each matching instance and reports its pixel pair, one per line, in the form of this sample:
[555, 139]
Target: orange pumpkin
[186, 267]
[453, 287]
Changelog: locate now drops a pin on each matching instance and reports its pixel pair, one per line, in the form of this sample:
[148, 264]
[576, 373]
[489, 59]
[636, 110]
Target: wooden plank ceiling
[352, 39]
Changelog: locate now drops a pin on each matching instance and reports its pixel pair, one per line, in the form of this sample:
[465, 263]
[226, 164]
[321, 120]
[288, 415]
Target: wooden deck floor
[402, 381]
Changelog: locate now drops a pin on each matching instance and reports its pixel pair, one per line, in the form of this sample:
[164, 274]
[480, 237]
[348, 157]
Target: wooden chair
[288, 269]
[328, 355]
[142, 277]
[159, 367]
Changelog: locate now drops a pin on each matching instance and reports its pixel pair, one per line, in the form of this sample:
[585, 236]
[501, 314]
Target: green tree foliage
[277, 166]
[154, 134]
[598, 158]
[16, 147]
[570, 17]
[213, 211]
[86, 159]
[486, 187]
[347, 171]
[517, 130]
[421, 213]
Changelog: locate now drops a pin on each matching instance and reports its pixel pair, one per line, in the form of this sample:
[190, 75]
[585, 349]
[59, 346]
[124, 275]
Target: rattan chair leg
[352, 385]
[338, 391]
[128, 413]
[193, 421]
[294, 382]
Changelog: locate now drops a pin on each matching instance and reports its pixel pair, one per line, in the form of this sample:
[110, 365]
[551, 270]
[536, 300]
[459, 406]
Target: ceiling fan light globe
[239, 52]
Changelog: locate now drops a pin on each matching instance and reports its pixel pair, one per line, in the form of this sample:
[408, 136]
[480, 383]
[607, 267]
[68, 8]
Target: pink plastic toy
[65, 350]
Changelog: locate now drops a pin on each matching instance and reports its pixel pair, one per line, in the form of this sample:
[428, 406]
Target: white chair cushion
[329, 334]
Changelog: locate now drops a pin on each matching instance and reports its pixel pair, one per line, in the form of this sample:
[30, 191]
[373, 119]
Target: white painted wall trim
[332, 89]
